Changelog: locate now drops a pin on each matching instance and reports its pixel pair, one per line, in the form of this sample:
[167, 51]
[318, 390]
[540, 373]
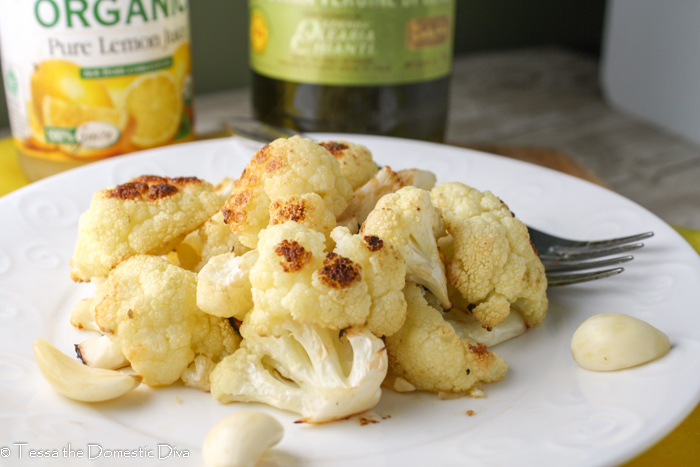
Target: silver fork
[572, 261]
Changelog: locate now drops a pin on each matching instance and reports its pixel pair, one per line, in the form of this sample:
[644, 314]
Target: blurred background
[220, 34]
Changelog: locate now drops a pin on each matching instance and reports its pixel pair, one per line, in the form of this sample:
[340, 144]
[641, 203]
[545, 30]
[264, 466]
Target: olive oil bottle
[353, 66]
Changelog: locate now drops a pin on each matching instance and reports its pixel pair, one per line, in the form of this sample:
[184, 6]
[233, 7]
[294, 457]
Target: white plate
[546, 412]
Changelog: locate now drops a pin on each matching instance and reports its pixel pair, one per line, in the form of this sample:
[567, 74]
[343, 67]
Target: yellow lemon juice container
[91, 79]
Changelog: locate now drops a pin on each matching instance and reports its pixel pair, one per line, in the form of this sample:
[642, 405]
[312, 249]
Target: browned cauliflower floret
[148, 307]
[148, 215]
[290, 276]
[294, 278]
[490, 261]
[384, 272]
[285, 167]
[429, 354]
[355, 160]
[308, 210]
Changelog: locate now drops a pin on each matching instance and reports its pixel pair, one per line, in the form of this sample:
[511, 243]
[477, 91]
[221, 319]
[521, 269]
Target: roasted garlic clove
[77, 381]
[101, 352]
[240, 439]
[613, 341]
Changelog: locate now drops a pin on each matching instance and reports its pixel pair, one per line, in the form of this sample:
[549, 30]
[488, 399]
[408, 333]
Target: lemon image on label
[73, 113]
[116, 87]
[62, 113]
[259, 32]
[61, 79]
[153, 100]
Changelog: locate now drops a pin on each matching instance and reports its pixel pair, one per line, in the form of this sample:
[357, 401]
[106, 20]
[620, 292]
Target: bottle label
[352, 42]
[89, 79]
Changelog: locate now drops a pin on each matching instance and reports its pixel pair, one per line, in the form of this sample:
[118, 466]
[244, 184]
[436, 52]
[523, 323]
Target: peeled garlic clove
[101, 352]
[240, 439]
[77, 381]
[613, 341]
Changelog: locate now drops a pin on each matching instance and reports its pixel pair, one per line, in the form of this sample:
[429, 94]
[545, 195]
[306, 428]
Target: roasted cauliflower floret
[223, 285]
[429, 354]
[285, 167]
[320, 374]
[224, 188]
[308, 210]
[384, 272]
[148, 215]
[490, 261]
[365, 197]
[355, 160]
[213, 238]
[148, 307]
[409, 220]
[294, 278]
[382, 183]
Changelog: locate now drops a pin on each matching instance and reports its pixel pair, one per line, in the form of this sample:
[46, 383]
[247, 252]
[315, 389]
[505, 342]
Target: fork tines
[577, 265]
[599, 244]
[566, 279]
[569, 262]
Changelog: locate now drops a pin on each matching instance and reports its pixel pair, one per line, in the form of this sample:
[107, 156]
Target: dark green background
[220, 34]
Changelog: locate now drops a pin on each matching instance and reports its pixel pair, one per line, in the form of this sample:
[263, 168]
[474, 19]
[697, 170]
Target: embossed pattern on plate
[546, 412]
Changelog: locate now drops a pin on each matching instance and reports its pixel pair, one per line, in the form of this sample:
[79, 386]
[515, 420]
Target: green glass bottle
[353, 66]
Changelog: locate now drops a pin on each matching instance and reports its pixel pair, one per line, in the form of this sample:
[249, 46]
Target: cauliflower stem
[320, 374]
